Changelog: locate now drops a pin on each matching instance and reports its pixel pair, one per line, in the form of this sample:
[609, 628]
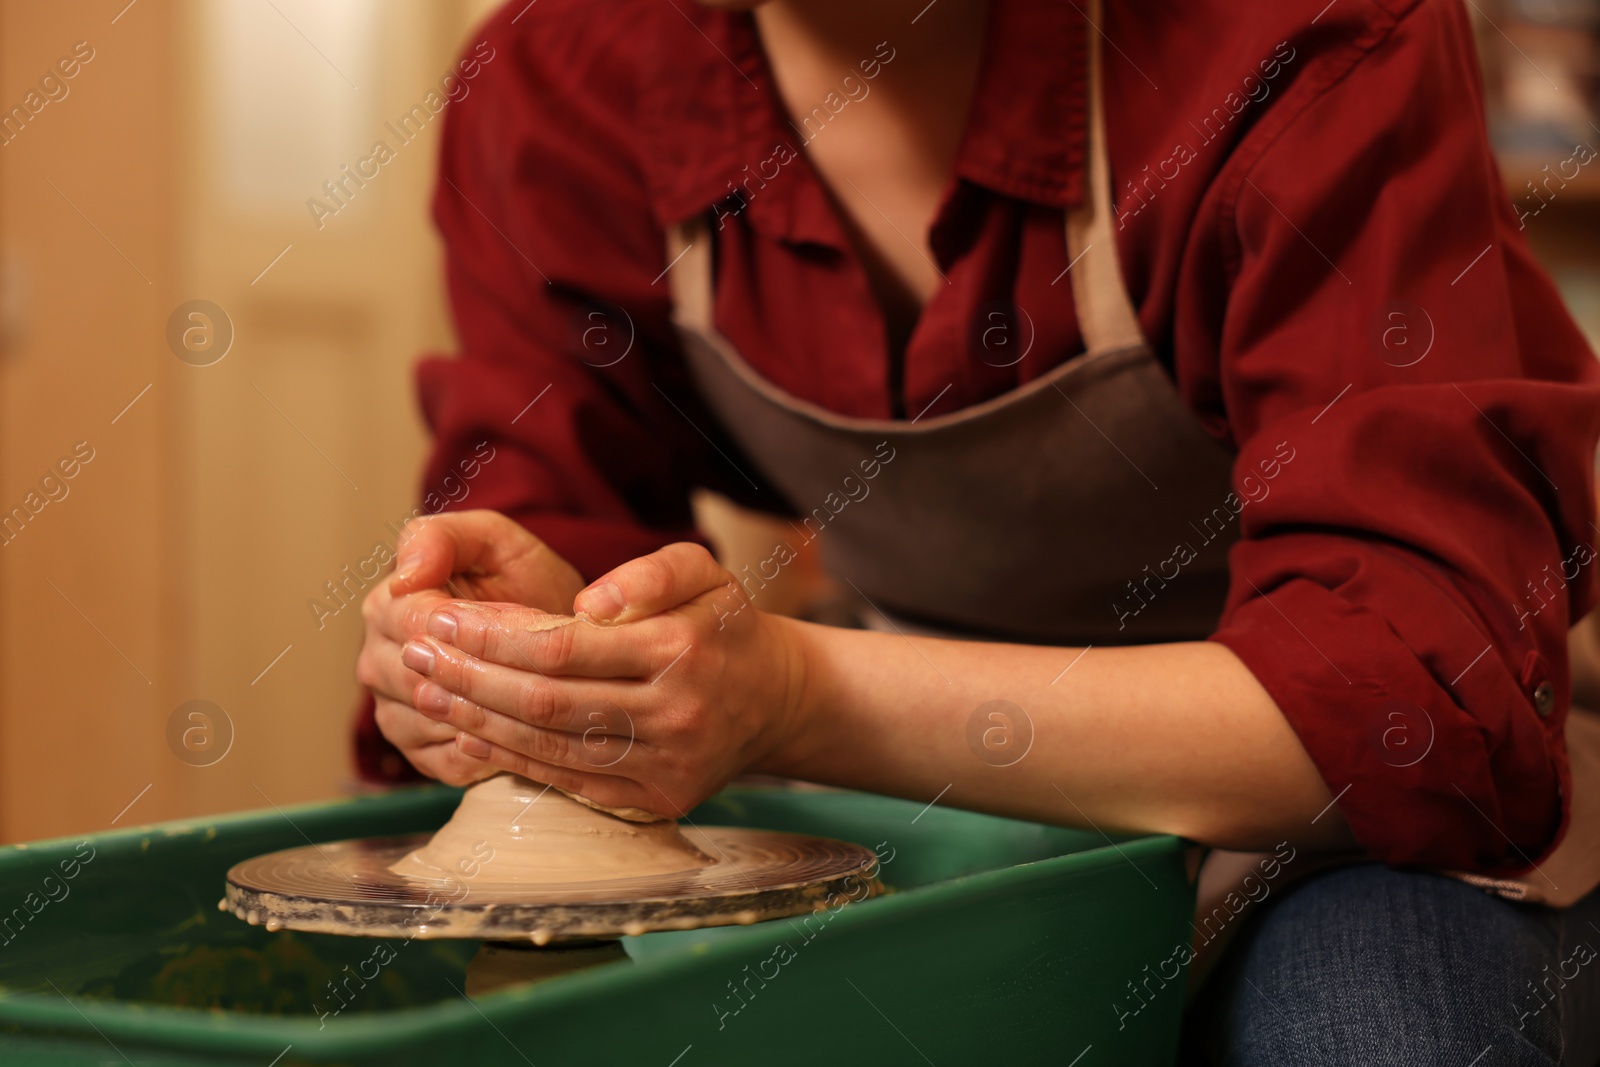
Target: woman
[1185, 370]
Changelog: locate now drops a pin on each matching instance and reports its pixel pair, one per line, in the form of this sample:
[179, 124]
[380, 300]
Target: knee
[1368, 964]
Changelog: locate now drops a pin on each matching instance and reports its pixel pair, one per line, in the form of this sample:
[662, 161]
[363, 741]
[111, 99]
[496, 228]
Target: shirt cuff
[1462, 775]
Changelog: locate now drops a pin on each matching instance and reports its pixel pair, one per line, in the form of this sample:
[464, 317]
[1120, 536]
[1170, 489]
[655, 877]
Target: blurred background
[159, 655]
[176, 166]
[1541, 66]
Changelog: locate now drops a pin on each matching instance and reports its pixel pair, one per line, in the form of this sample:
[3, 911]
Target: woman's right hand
[468, 555]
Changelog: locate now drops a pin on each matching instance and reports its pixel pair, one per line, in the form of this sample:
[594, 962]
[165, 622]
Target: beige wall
[180, 562]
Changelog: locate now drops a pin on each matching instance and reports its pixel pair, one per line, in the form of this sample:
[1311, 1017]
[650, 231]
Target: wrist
[790, 722]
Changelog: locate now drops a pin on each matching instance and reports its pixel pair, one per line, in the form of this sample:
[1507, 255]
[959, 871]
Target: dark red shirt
[1311, 224]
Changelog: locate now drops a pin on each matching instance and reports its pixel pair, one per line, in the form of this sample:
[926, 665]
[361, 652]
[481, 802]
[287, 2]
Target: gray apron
[1052, 514]
[1097, 470]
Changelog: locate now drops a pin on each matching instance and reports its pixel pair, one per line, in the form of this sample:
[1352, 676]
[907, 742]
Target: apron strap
[689, 276]
[1106, 316]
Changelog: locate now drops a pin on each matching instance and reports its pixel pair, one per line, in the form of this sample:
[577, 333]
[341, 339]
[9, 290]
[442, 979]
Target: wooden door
[213, 492]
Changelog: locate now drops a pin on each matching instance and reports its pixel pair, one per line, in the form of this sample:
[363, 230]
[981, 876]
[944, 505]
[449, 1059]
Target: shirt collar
[712, 123]
[1026, 133]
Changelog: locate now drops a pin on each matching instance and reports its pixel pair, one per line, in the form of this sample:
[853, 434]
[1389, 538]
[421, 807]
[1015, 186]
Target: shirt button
[1544, 699]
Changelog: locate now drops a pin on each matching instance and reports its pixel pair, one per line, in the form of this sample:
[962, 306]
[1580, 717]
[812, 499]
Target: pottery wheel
[557, 871]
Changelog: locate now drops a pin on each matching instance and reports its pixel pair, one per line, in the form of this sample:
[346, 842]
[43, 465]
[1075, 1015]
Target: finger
[435, 548]
[650, 584]
[428, 745]
[405, 727]
[398, 617]
[377, 608]
[596, 749]
[379, 667]
[610, 791]
[409, 616]
[531, 640]
[448, 763]
[554, 703]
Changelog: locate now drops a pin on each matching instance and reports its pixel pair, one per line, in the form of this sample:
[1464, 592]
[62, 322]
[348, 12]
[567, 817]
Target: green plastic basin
[998, 942]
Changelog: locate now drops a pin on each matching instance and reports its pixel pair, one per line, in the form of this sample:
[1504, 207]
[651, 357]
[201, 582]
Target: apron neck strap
[689, 272]
[1106, 316]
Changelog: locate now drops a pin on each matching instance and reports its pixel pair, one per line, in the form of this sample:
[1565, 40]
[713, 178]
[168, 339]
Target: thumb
[425, 558]
[661, 581]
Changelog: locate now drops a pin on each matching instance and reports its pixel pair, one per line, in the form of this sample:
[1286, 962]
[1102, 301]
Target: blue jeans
[1368, 965]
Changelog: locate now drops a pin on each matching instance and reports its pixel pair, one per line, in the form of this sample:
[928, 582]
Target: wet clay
[510, 831]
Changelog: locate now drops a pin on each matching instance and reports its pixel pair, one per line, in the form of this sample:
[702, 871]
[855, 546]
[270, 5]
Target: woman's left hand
[667, 684]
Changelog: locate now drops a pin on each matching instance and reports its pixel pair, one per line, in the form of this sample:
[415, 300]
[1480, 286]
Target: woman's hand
[667, 684]
[481, 555]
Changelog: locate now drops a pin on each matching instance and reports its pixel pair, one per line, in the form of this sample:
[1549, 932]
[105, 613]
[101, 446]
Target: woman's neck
[909, 69]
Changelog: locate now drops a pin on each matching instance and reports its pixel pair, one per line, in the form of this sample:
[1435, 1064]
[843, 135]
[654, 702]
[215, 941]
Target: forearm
[1177, 738]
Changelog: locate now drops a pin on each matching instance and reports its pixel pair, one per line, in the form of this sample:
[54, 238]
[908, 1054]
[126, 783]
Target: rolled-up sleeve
[1404, 583]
